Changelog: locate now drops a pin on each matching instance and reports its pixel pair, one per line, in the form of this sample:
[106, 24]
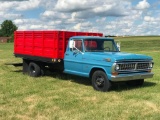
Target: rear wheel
[34, 70]
[135, 82]
[25, 66]
[100, 81]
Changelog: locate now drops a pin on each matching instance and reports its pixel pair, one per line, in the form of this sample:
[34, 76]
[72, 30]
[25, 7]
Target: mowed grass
[141, 43]
[65, 97]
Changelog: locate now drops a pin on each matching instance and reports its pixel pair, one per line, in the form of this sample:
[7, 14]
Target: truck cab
[100, 59]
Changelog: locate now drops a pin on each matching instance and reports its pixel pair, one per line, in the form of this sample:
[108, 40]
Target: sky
[110, 17]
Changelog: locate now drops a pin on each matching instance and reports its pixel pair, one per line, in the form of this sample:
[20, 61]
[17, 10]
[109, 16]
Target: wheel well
[93, 70]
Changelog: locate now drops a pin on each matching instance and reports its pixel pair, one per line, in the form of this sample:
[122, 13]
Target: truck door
[73, 58]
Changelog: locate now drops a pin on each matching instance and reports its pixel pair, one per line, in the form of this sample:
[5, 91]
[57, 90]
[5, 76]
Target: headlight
[150, 65]
[117, 67]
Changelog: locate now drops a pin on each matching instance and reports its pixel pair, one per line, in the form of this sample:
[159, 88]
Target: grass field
[66, 97]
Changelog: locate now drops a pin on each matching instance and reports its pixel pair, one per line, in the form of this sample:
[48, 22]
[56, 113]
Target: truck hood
[118, 56]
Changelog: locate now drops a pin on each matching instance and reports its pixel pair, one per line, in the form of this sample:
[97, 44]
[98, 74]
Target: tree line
[7, 29]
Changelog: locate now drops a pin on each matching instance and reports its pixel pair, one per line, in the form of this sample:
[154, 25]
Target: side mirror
[119, 46]
[71, 44]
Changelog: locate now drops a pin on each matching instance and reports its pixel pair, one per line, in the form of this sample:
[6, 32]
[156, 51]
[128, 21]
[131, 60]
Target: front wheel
[100, 81]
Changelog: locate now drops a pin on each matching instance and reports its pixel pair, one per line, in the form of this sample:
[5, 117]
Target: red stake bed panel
[48, 44]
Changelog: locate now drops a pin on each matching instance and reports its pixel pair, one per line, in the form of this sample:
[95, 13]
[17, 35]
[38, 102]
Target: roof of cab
[90, 37]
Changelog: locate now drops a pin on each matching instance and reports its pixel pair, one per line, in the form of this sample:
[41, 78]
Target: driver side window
[78, 45]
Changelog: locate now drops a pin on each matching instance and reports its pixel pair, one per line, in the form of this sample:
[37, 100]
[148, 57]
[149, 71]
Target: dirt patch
[152, 106]
[32, 98]
[23, 117]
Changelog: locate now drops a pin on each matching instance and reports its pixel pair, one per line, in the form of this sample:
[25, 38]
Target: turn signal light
[114, 73]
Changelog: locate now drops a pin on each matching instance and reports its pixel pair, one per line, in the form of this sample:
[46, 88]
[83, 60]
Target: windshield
[98, 45]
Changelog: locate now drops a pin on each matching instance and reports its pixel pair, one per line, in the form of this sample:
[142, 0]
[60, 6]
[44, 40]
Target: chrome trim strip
[131, 77]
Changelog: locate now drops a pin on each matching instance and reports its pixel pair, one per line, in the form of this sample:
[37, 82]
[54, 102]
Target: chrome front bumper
[128, 77]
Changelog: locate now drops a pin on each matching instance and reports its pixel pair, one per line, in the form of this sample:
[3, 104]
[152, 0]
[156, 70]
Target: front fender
[106, 69]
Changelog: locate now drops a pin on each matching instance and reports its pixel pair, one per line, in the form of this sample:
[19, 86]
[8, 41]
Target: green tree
[7, 28]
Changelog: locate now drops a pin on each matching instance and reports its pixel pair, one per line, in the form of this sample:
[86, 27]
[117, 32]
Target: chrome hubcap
[100, 81]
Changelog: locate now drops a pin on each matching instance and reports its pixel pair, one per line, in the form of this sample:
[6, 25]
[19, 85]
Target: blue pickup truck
[100, 59]
[97, 58]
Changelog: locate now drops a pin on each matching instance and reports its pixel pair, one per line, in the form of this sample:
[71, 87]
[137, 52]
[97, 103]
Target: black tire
[100, 81]
[34, 70]
[25, 66]
[42, 67]
[135, 82]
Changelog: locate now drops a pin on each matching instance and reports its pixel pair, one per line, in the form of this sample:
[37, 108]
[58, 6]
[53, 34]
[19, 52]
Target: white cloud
[53, 15]
[72, 5]
[77, 26]
[103, 8]
[12, 0]
[83, 26]
[109, 26]
[4, 15]
[19, 5]
[112, 17]
[149, 19]
[5, 6]
[26, 5]
[93, 8]
[19, 21]
[143, 5]
[34, 27]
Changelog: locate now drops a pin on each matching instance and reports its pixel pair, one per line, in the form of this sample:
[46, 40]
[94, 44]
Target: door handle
[67, 54]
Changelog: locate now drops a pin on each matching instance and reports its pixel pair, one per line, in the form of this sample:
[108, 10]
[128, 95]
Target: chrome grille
[142, 65]
[128, 66]
[133, 66]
